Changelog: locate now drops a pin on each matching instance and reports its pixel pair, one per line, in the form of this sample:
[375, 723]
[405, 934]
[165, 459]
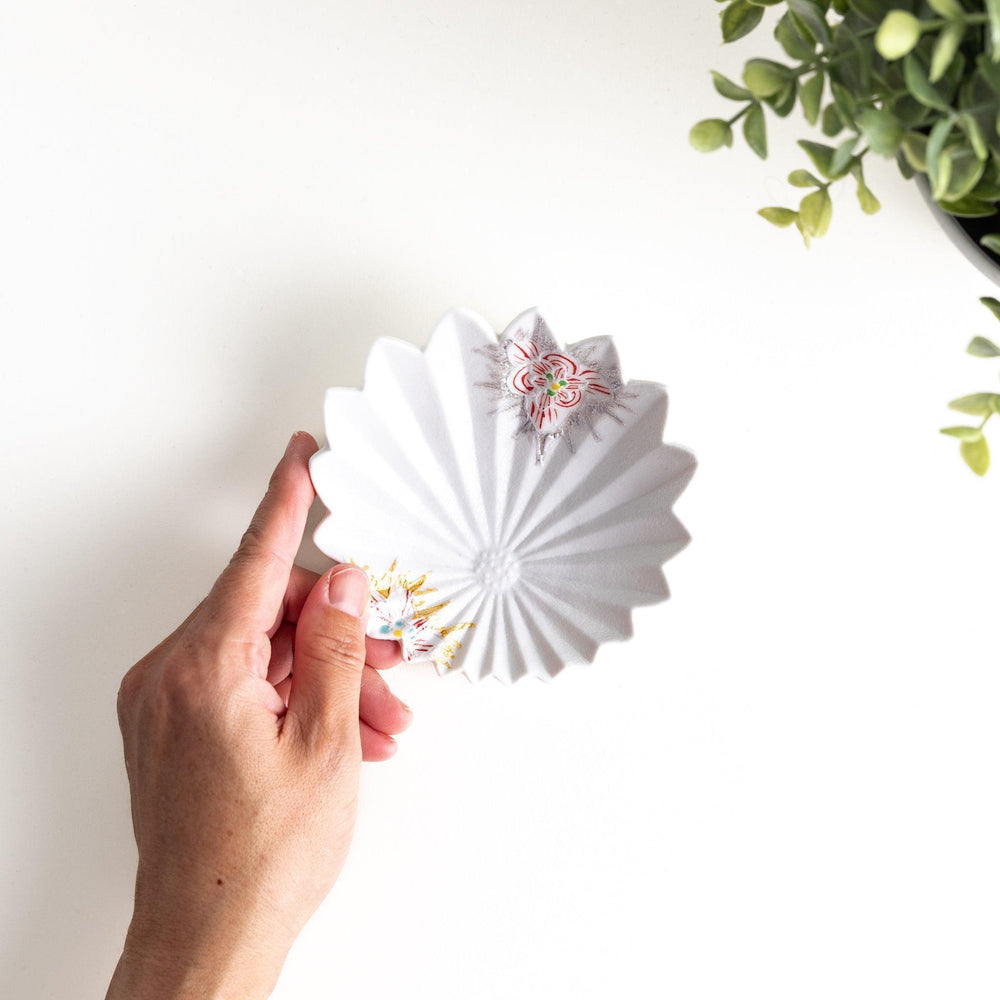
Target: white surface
[785, 786]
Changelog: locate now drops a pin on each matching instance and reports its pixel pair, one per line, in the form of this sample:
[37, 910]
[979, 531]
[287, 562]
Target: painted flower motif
[397, 612]
[555, 391]
[553, 384]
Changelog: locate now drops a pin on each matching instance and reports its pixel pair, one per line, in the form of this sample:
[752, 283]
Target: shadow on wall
[121, 577]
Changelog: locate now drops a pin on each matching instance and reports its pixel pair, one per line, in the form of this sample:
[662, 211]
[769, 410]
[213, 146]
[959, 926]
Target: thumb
[329, 653]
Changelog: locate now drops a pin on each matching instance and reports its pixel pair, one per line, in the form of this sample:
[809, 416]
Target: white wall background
[786, 784]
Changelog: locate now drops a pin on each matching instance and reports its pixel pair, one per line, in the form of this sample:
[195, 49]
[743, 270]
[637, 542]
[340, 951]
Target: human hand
[244, 733]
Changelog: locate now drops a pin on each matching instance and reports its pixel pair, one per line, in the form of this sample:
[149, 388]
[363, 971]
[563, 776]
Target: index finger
[252, 587]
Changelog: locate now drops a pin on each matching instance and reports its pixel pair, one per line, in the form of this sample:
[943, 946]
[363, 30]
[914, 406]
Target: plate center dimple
[496, 569]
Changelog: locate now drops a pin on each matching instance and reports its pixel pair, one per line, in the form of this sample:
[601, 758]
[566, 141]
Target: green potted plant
[914, 80]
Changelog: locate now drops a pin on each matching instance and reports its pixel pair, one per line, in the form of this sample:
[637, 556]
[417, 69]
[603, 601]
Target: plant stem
[740, 114]
[925, 26]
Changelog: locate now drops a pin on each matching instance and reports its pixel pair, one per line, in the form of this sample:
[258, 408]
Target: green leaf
[868, 202]
[811, 96]
[728, 89]
[990, 71]
[991, 241]
[942, 177]
[936, 140]
[809, 18]
[755, 131]
[783, 102]
[964, 173]
[909, 111]
[844, 99]
[855, 63]
[963, 176]
[843, 154]
[777, 216]
[765, 78]
[991, 304]
[945, 49]
[803, 179]
[980, 347]
[993, 10]
[806, 238]
[979, 404]
[969, 208]
[791, 41]
[935, 156]
[950, 9]
[898, 33]
[739, 19]
[977, 140]
[711, 134]
[920, 87]
[882, 130]
[988, 189]
[914, 146]
[976, 454]
[815, 212]
[955, 73]
[822, 158]
[870, 10]
[832, 123]
[965, 433]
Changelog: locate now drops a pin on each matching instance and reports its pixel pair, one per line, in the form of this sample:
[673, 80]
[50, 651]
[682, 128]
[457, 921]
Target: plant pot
[966, 233]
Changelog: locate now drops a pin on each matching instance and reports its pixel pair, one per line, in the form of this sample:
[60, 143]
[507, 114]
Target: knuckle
[127, 693]
[250, 542]
[174, 687]
[205, 641]
[341, 646]
[339, 752]
[255, 549]
[185, 689]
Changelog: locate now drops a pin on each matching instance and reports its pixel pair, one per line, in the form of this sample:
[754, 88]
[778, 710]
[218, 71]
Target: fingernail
[291, 441]
[349, 590]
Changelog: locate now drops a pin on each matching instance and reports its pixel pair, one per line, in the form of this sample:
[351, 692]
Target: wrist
[161, 968]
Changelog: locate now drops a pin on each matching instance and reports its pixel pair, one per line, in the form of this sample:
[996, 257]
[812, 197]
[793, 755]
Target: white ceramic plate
[511, 500]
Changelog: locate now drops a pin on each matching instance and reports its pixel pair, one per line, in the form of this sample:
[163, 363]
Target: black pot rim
[987, 262]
